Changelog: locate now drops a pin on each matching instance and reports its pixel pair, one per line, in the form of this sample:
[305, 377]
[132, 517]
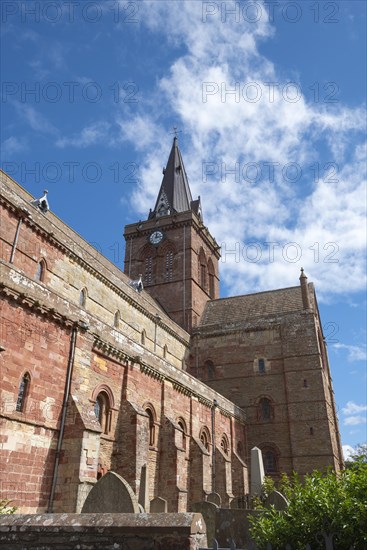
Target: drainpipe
[63, 415]
[157, 319]
[15, 240]
[215, 404]
[24, 212]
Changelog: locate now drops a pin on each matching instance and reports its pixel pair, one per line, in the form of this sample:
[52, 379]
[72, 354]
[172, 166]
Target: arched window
[40, 273]
[152, 432]
[270, 461]
[165, 352]
[23, 392]
[148, 270]
[266, 409]
[169, 266]
[182, 425]
[209, 370]
[205, 438]
[143, 337]
[224, 444]
[83, 297]
[202, 270]
[116, 320]
[211, 273]
[261, 366]
[102, 410]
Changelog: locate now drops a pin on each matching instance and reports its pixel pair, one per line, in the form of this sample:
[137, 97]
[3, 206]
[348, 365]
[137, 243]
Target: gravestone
[158, 505]
[215, 498]
[257, 471]
[144, 489]
[111, 494]
[209, 512]
[277, 500]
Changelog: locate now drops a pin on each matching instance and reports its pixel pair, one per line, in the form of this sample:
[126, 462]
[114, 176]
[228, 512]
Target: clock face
[156, 237]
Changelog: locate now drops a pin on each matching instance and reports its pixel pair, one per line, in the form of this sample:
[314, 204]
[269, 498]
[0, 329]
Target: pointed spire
[174, 194]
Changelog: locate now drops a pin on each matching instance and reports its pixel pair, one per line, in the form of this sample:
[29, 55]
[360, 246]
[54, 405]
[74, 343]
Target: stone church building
[169, 386]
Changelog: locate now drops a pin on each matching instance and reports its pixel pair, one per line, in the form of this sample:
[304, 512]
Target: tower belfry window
[169, 266]
[148, 275]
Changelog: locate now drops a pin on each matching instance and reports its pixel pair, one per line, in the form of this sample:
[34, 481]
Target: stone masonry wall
[103, 532]
[301, 427]
[109, 359]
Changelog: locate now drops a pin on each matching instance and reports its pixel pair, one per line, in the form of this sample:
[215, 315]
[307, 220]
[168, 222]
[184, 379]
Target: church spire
[174, 194]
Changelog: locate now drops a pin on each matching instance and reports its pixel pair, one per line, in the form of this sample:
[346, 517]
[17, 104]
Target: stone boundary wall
[103, 532]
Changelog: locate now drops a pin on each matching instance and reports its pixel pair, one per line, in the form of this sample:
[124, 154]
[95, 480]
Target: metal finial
[176, 132]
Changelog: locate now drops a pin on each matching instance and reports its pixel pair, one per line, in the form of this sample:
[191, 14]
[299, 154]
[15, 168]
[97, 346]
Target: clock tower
[173, 250]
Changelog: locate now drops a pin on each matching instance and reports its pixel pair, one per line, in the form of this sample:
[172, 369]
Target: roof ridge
[255, 293]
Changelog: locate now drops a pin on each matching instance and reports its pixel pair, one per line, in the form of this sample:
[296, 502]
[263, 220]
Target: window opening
[23, 392]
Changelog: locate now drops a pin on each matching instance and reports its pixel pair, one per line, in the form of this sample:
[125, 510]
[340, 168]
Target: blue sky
[270, 102]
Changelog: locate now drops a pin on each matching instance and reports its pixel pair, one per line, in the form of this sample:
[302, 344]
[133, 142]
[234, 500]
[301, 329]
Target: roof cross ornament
[176, 131]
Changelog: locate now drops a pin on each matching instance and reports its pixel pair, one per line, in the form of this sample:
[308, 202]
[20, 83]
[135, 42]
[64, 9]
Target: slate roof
[175, 191]
[254, 306]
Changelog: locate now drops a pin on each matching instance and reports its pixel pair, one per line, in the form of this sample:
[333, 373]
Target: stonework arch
[224, 444]
[152, 415]
[41, 270]
[265, 408]
[104, 403]
[205, 438]
[23, 392]
[211, 278]
[83, 296]
[183, 427]
[116, 319]
[202, 269]
[270, 455]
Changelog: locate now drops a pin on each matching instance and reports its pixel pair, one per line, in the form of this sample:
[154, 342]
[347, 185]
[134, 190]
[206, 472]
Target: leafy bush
[5, 508]
[322, 505]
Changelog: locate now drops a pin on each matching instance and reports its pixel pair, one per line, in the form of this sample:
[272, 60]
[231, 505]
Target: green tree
[359, 455]
[322, 506]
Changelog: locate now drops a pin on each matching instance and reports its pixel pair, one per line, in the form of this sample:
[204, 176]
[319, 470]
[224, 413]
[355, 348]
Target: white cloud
[12, 145]
[353, 408]
[34, 118]
[90, 135]
[354, 420]
[353, 415]
[323, 216]
[348, 450]
[355, 353]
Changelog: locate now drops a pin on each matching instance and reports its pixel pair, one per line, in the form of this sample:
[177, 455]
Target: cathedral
[149, 373]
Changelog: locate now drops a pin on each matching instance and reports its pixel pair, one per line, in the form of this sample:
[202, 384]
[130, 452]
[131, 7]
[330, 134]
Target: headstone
[277, 500]
[257, 471]
[111, 494]
[158, 505]
[209, 512]
[144, 488]
[215, 498]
